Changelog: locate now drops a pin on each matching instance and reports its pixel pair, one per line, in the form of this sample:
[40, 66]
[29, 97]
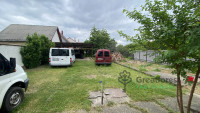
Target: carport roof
[19, 32]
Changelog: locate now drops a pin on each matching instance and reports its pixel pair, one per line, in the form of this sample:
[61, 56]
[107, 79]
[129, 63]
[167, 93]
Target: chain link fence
[147, 56]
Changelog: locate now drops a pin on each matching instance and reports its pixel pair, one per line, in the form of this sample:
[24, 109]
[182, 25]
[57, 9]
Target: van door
[4, 78]
[100, 58]
[107, 58]
[55, 53]
[73, 55]
[64, 57]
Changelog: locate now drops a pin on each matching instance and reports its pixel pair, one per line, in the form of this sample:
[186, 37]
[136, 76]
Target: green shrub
[157, 77]
[142, 69]
[45, 46]
[157, 70]
[36, 51]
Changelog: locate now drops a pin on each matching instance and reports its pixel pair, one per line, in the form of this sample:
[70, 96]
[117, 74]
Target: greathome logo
[147, 86]
[155, 80]
[149, 83]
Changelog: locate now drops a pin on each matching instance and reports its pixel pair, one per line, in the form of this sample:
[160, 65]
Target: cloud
[74, 17]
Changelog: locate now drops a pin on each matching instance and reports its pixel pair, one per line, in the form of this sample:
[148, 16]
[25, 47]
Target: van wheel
[12, 99]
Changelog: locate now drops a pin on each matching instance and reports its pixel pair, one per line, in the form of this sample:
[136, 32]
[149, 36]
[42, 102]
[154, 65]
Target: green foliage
[36, 51]
[124, 50]
[142, 68]
[172, 25]
[31, 54]
[45, 46]
[157, 77]
[101, 40]
[157, 70]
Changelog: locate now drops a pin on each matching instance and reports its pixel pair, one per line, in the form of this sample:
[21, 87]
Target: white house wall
[56, 38]
[12, 51]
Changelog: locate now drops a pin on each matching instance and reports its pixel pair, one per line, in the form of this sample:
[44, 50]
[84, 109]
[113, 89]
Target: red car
[103, 56]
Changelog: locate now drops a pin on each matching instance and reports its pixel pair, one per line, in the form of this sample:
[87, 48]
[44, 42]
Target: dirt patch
[197, 89]
[85, 59]
[91, 76]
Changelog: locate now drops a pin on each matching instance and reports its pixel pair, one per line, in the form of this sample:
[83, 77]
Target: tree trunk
[192, 90]
[179, 91]
[180, 99]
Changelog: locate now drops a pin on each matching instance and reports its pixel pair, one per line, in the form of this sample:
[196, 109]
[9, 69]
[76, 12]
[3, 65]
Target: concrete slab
[94, 95]
[172, 104]
[97, 102]
[120, 109]
[81, 111]
[115, 93]
[110, 95]
[151, 107]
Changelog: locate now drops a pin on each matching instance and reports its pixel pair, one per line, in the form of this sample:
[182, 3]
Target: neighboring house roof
[19, 32]
[70, 40]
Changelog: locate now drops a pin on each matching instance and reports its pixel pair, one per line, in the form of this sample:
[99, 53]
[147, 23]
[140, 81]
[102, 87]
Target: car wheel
[12, 99]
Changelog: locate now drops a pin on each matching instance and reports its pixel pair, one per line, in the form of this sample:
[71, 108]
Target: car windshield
[60, 52]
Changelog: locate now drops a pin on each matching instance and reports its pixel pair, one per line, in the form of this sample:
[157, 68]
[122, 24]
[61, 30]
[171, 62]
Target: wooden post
[139, 55]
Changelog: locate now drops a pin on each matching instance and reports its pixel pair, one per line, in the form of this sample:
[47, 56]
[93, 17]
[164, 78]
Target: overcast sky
[74, 17]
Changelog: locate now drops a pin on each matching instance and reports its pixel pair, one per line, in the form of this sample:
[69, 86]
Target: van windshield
[60, 52]
[2, 66]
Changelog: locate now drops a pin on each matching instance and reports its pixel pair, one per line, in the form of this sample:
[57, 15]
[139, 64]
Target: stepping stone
[97, 102]
[94, 95]
[171, 103]
[81, 111]
[110, 95]
[151, 107]
[120, 109]
[115, 93]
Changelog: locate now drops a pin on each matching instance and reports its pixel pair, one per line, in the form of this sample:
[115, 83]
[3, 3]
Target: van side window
[73, 53]
[106, 54]
[55, 52]
[64, 52]
[60, 52]
[2, 66]
[100, 54]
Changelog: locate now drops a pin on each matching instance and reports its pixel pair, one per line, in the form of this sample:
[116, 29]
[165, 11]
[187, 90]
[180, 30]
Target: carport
[80, 48]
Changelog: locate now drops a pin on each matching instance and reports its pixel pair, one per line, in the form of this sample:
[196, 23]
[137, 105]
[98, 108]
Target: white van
[61, 56]
[13, 80]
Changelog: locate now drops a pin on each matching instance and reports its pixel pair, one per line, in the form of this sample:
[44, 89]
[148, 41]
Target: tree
[101, 40]
[175, 26]
[31, 53]
[124, 50]
[36, 51]
[45, 47]
[112, 45]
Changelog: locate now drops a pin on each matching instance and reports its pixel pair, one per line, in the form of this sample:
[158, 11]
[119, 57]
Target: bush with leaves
[173, 25]
[101, 40]
[36, 51]
[44, 48]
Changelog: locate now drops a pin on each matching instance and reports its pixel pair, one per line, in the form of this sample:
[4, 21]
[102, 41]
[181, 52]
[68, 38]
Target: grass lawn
[61, 89]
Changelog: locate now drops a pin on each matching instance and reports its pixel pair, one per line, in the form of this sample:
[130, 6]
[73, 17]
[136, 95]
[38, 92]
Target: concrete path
[121, 103]
[120, 109]
[151, 107]
[172, 104]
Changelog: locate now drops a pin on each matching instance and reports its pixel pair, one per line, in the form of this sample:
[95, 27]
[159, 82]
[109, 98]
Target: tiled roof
[19, 32]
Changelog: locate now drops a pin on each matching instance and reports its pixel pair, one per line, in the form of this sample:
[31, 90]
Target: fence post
[146, 56]
[139, 55]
